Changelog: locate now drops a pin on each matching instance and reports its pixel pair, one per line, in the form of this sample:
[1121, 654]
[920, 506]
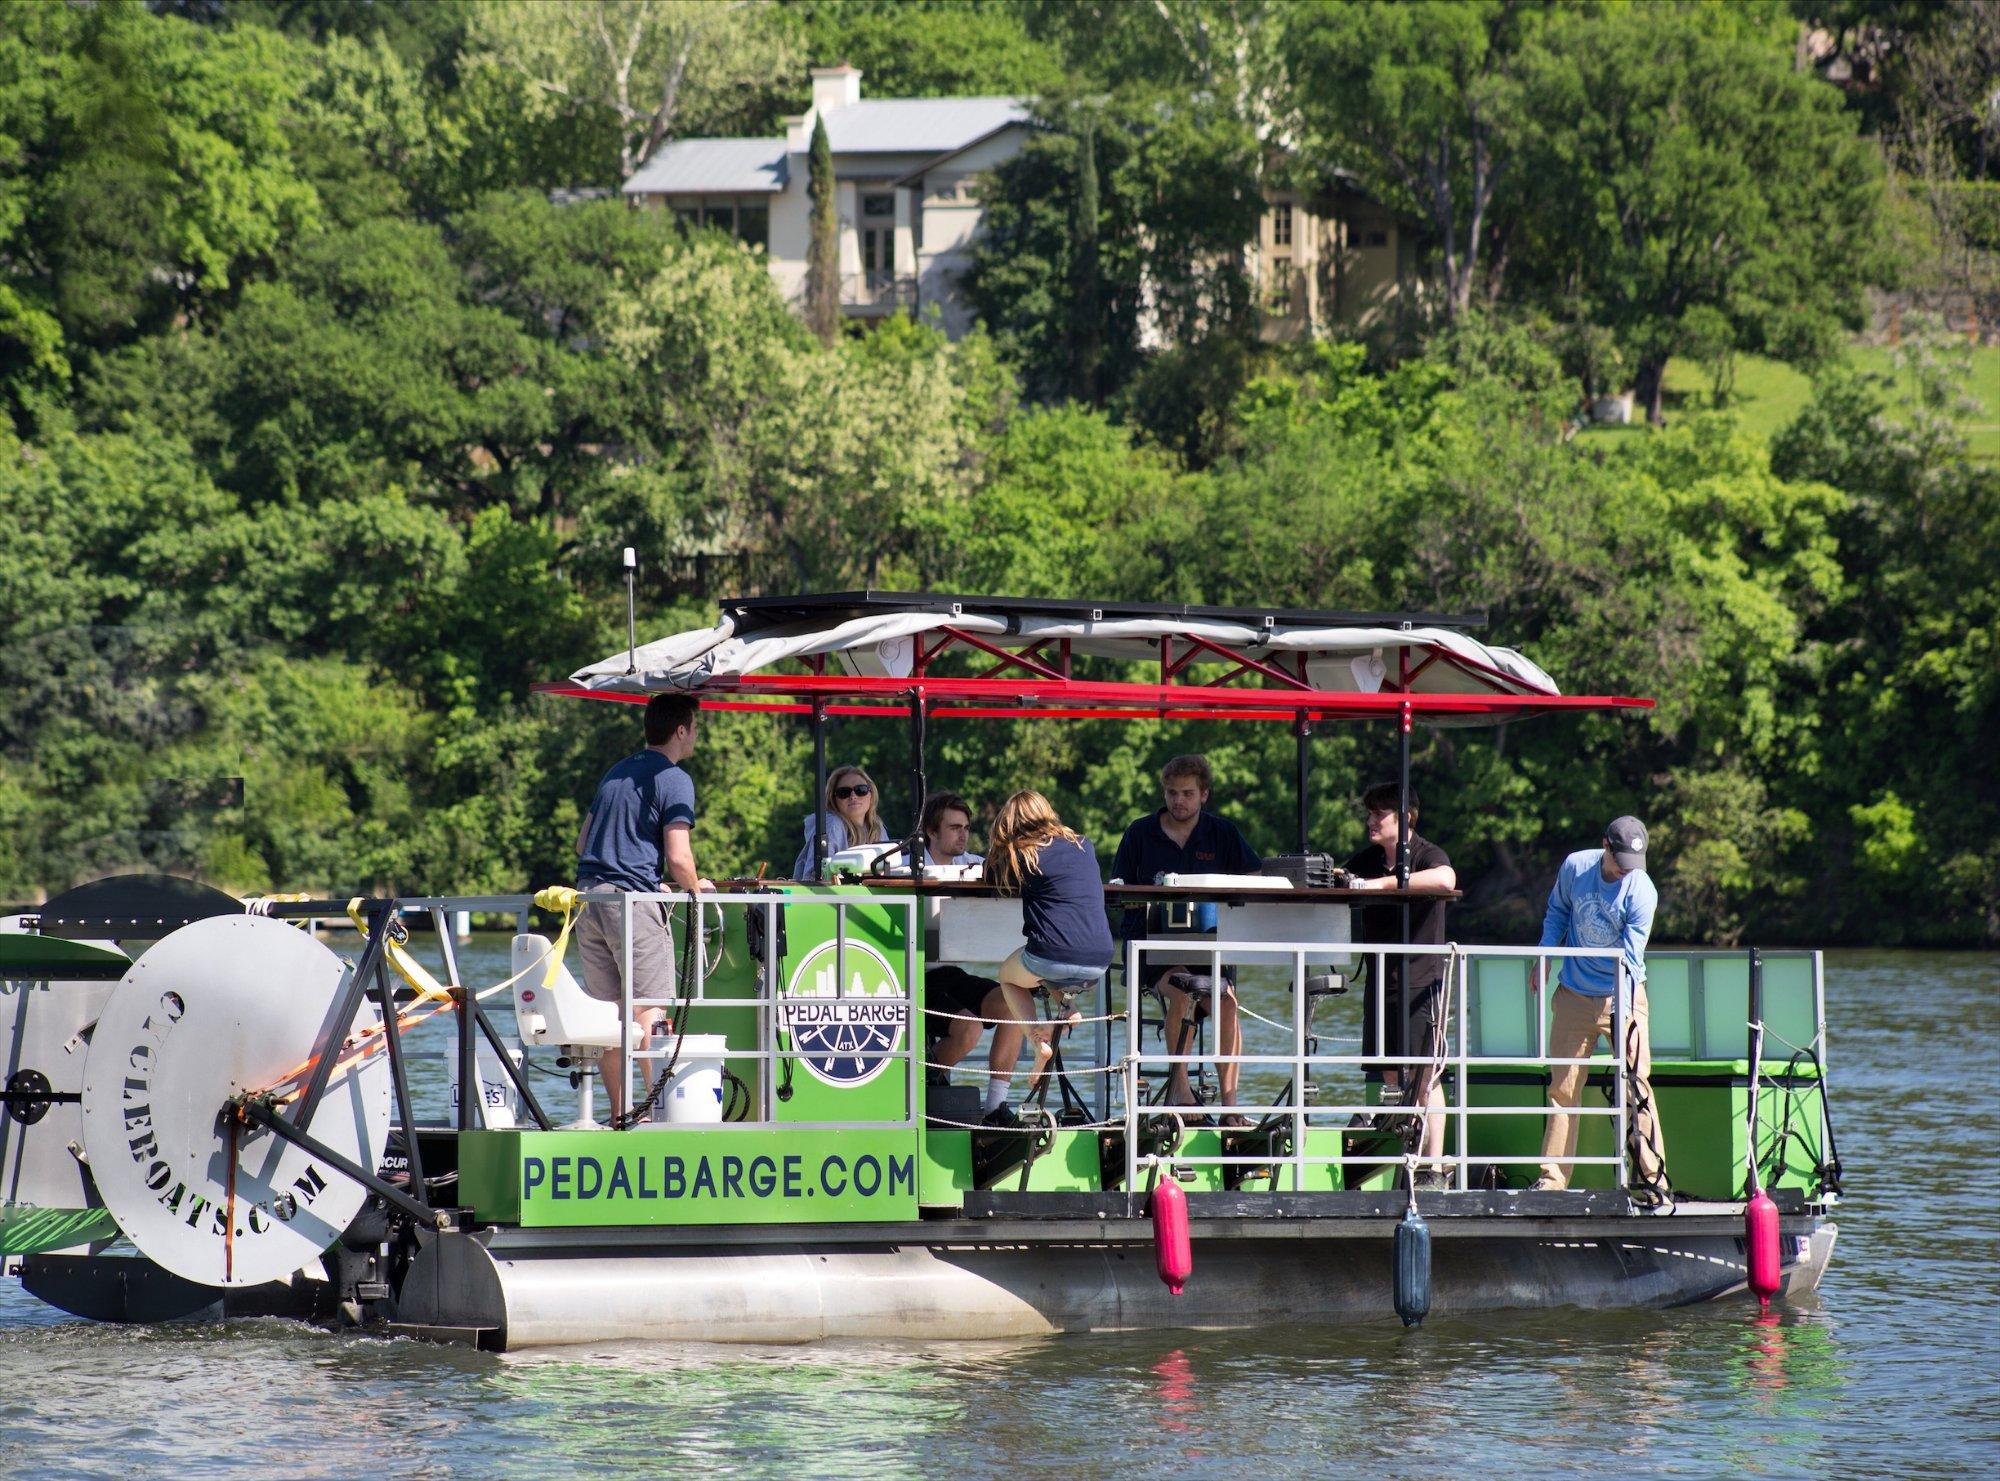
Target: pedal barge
[230, 1096]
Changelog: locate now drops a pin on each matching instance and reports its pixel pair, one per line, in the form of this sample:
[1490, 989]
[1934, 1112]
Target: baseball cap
[1626, 838]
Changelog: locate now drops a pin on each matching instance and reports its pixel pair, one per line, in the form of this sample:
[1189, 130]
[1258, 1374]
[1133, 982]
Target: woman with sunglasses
[851, 818]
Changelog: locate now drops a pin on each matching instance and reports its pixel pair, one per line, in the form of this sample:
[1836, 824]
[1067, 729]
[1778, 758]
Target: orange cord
[229, 1211]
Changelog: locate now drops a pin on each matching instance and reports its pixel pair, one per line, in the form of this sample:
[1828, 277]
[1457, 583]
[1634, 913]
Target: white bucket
[694, 1096]
[496, 1091]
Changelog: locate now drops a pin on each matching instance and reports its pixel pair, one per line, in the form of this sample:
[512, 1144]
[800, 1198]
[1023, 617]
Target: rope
[1077, 1022]
[1036, 1128]
[437, 998]
[1100, 1069]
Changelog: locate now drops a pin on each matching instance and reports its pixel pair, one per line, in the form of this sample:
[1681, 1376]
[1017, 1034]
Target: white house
[907, 178]
[905, 182]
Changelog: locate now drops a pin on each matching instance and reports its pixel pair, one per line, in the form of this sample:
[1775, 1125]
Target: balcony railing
[878, 292]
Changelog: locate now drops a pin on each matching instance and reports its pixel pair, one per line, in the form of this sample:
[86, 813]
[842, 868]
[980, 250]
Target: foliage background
[323, 428]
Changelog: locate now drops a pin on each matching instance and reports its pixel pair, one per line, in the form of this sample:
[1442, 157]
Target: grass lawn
[1769, 394]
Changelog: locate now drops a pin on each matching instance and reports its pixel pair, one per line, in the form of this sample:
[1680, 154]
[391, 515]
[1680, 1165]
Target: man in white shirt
[947, 829]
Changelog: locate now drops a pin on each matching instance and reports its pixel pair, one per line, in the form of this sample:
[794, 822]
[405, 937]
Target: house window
[753, 225]
[1281, 226]
[1280, 286]
[878, 239]
[719, 214]
[1375, 239]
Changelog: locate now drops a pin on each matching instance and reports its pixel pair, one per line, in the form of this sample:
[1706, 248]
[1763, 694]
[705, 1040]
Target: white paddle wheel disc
[220, 1007]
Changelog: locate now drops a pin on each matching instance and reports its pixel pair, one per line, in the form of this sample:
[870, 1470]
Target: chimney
[835, 87]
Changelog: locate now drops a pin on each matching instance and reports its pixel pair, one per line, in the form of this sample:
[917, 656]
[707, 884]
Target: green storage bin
[1704, 1108]
[1527, 1086]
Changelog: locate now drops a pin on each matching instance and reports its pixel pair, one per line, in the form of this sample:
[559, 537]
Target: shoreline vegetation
[321, 428]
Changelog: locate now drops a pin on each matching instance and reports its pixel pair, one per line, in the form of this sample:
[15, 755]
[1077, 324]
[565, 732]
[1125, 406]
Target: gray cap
[1626, 838]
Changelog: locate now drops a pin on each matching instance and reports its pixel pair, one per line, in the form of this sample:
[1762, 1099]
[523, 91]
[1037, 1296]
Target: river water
[1894, 1367]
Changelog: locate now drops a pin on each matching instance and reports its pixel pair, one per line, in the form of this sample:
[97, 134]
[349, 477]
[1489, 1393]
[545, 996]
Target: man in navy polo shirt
[1183, 837]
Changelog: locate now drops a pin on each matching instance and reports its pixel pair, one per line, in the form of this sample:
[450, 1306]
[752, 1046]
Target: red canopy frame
[1050, 696]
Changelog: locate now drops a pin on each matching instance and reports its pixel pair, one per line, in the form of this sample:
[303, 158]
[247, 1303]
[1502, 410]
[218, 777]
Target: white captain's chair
[564, 1015]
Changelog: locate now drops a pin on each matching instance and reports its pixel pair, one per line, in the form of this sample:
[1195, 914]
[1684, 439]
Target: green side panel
[715, 1175]
[1200, 1141]
[732, 984]
[1670, 1006]
[1072, 1164]
[1724, 996]
[35, 1231]
[1325, 1177]
[944, 1173]
[1503, 1136]
[1704, 1108]
[831, 1084]
[1500, 1011]
[25, 957]
[489, 1174]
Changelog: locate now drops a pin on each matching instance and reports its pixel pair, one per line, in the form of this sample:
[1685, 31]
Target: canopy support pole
[919, 782]
[1403, 813]
[819, 786]
[1302, 728]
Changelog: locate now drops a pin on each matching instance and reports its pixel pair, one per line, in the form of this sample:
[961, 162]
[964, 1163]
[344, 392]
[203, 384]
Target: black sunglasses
[859, 789]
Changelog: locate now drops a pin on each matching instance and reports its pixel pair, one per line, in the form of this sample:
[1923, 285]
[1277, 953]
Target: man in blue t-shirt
[638, 838]
[1183, 837]
[1602, 897]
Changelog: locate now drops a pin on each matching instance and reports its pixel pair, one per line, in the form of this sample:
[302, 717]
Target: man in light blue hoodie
[1602, 898]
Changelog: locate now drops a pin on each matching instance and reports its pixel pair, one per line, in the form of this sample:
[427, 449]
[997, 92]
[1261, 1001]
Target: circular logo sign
[844, 1034]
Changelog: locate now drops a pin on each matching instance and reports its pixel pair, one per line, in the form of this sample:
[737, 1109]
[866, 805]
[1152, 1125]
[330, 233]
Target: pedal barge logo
[846, 1038]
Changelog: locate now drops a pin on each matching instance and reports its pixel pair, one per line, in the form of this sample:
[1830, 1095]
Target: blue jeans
[1062, 976]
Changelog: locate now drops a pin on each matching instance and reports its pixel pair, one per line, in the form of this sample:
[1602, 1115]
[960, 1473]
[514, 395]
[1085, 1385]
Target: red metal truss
[1051, 696]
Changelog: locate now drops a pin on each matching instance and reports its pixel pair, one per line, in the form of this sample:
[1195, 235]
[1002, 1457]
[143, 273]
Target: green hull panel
[36, 1231]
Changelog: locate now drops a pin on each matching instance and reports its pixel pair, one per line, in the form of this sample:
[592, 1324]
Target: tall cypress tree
[823, 246]
[1086, 332]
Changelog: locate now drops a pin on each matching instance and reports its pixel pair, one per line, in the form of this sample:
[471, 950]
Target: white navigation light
[219, 1007]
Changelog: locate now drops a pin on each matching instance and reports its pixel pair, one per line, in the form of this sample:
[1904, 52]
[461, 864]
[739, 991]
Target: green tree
[1086, 347]
[1178, 199]
[823, 241]
[927, 48]
[1680, 172]
[1416, 102]
[649, 69]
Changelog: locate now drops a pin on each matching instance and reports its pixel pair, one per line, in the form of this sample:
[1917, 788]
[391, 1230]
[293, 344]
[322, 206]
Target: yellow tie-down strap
[407, 967]
[559, 897]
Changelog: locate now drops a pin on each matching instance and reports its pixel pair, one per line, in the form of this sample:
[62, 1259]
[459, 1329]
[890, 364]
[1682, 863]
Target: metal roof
[713, 166]
[756, 612]
[918, 125]
[873, 651]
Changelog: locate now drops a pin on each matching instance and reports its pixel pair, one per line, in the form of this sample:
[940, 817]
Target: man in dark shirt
[636, 836]
[1184, 838]
[1412, 1008]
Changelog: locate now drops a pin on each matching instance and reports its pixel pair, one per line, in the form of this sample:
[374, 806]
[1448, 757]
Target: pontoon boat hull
[513, 1289]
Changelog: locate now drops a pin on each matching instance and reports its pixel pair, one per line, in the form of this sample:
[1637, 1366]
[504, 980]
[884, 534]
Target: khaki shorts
[600, 942]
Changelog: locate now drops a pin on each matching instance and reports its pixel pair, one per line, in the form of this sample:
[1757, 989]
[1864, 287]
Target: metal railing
[768, 1004]
[878, 290]
[1304, 1114]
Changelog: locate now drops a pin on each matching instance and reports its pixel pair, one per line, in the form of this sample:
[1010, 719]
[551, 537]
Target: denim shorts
[1060, 975]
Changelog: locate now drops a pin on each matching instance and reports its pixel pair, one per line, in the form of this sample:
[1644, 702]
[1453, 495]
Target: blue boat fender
[1413, 1264]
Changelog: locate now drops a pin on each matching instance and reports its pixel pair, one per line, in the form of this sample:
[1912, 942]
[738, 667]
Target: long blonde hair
[871, 821]
[1024, 826]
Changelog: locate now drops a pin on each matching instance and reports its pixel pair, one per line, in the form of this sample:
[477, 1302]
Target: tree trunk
[1650, 387]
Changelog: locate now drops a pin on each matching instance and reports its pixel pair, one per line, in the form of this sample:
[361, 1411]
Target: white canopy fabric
[1337, 659]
